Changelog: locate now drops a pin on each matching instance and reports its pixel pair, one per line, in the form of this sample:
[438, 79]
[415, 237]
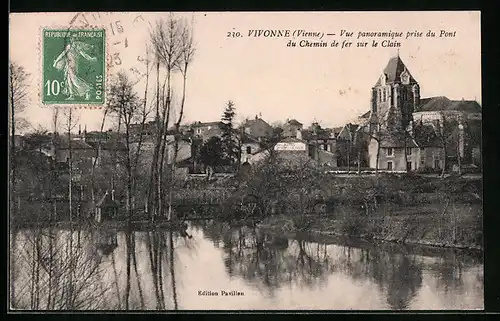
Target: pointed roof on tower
[395, 67]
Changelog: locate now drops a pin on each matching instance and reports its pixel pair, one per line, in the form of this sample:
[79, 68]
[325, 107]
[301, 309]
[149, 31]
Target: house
[460, 119]
[206, 130]
[336, 130]
[431, 152]
[184, 149]
[419, 149]
[396, 106]
[148, 129]
[82, 154]
[111, 152]
[106, 208]
[393, 152]
[249, 146]
[293, 152]
[258, 128]
[348, 146]
[290, 128]
[321, 144]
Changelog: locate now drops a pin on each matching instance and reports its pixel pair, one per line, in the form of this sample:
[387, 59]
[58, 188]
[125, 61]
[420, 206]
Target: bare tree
[166, 46]
[187, 51]
[446, 130]
[143, 115]
[98, 152]
[70, 124]
[172, 43]
[18, 98]
[124, 102]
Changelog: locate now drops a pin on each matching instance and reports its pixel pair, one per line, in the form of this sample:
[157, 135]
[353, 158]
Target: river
[217, 267]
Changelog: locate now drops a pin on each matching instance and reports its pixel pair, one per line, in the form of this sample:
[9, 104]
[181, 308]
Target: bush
[352, 225]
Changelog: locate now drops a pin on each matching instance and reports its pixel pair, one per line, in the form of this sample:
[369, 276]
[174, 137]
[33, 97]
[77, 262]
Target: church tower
[395, 96]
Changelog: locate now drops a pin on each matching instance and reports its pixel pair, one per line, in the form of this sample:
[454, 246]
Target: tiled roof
[200, 124]
[291, 140]
[109, 145]
[366, 115]
[246, 139]
[75, 144]
[336, 130]
[308, 134]
[394, 69]
[294, 122]
[442, 103]
[397, 140]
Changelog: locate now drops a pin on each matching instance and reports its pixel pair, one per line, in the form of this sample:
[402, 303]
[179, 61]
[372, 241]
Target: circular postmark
[127, 35]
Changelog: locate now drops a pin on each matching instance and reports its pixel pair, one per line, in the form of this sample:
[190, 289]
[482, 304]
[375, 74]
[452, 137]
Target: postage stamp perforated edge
[106, 69]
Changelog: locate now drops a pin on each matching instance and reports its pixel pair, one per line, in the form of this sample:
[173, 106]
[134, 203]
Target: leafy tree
[211, 153]
[229, 135]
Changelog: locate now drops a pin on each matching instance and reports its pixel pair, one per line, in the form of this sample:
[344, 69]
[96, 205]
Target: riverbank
[459, 226]
[135, 225]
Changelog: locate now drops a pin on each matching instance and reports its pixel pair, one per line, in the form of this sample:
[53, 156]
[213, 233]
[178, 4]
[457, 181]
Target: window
[437, 164]
[384, 95]
[404, 94]
[408, 166]
[379, 95]
[408, 150]
[389, 166]
[249, 149]
[390, 151]
[198, 130]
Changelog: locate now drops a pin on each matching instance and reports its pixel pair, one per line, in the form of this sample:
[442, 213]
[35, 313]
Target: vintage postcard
[245, 161]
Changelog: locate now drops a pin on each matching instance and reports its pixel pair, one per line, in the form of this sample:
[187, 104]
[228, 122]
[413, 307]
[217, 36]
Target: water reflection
[165, 270]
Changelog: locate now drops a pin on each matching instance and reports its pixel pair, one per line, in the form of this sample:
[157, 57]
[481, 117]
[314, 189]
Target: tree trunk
[172, 268]
[176, 140]
[459, 158]
[359, 161]
[445, 160]
[13, 158]
[348, 155]
[128, 269]
[129, 177]
[94, 164]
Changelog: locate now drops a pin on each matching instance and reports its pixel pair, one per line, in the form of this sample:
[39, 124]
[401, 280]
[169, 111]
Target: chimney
[79, 129]
[256, 117]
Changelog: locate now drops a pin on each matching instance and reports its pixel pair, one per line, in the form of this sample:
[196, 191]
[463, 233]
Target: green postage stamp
[73, 67]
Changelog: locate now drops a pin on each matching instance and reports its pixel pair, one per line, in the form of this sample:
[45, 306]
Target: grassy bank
[453, 225]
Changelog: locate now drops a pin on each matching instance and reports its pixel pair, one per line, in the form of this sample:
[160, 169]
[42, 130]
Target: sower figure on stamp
[68, 62]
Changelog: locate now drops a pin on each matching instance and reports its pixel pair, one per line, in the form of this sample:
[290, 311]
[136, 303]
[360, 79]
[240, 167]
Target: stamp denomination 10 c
[74, 67]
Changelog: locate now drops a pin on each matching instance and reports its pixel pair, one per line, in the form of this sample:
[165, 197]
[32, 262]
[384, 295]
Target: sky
[263, 76]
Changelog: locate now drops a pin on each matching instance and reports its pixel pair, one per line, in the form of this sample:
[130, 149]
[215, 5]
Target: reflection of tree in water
[397, 275]
[57, 270]
[268, 260]
[449, 275]
[403, 282]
